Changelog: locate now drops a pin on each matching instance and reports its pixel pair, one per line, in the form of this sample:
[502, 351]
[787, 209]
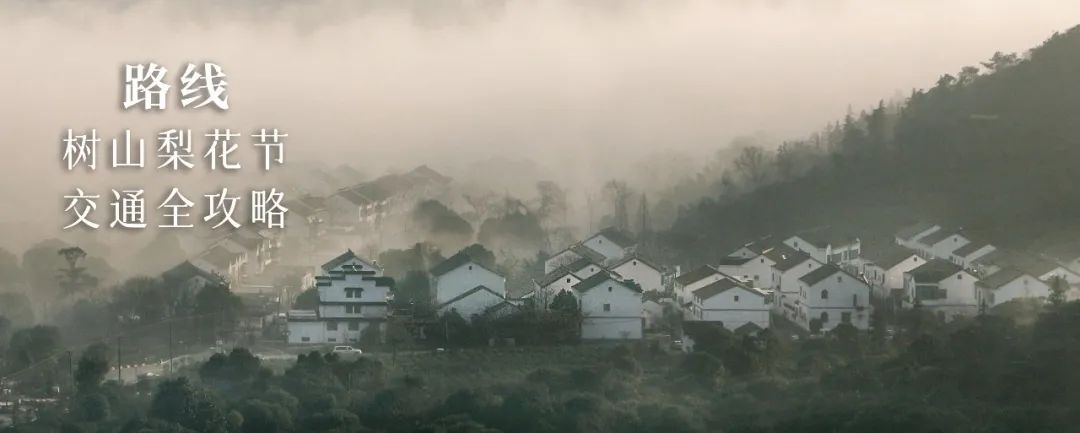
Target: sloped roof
[220, 256]
[696, 275]
[970, 247]
[937, 236]
[554, 276]
[733, 261]
[339, 260]
[723, 285]
[468, 293]
[817, 275]
[934, 271]
[1035, 265]
[601, 277]
[637, 257]
[1001, 278]
[888, 255]
[826, 236]
[583, 251]
[187, 270]
[909, 232]
[786, 257]
[456, 261]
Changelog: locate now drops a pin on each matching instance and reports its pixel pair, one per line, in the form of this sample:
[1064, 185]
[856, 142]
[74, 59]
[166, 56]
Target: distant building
[832, 296]
[884, 268]
[789, 268]
[353, 295]
[687, 283]
[612, 243]
[906, 236]
[635, 268]
[942, 287]
[966, 255]
[733, 304]
[1008, 284]
[611, 308]
[464, 284]
[941, 243]
[826, 247]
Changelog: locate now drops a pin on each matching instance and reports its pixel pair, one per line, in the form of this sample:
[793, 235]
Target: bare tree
[752, 164]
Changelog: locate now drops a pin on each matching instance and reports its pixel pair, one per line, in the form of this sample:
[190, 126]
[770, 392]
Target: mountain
[994, 148]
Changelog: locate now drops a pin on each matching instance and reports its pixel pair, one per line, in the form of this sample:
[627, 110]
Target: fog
[586, 89]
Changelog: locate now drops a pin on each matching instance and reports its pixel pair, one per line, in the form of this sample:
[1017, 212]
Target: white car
[346, 350]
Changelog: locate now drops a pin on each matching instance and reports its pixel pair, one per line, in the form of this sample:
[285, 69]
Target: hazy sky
[577, 85]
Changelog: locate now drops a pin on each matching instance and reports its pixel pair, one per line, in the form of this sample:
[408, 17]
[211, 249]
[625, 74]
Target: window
[824, 317]
[607, 307]
[354, 326]
[855, 300]
[609, 289]
[824, 294]
[845, 317]
[305, 339]
[762, 260]
[567, 280]
[635, 263]
[332, 340]
[331, 326]
[959, 276]
[470, 267]
[839, 279]
[736, 298]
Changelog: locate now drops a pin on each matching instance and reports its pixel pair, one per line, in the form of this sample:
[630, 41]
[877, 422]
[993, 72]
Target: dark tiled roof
[934, 271]
[554, 276]
[468, 293]
[601, 277]
[1001, 278]
[937, 236]
[588, 253]
[188, 270]
[634, 257]
[971, 247]
[337, 261]
[696, 275]
[720, 286]
[909, 232]
[887, 256]
[456, 261]
[733, 261]
[817, 275]
[786, 257]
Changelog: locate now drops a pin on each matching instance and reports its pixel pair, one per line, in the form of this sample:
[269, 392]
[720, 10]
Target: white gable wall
[475, 303]
[611, 311]
[847, 297]
[605, 247]
[735, 307]
[465, 278]
[1024, 286]
[648, 277]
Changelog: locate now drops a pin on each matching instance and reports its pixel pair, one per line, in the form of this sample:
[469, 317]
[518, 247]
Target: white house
[788, 269]
[826, 247]
[884, 268]
[906, 236]
[477, 301]
[353, 295]
[757, 270]
[687, 283]
[966, 255]
[732, 304]
[545, 289]
[461, 274]
[1008, 284]
[612, 243]
[611, 308]
[942, 287]
[832, 296]
[635, 268]
[570, 255]
[941, 243]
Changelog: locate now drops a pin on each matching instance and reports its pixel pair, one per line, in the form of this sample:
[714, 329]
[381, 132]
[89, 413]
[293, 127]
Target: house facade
[732, 304]
[645, 274]
[687, 283]
[611, 308]
[943, 288]
[353, 296]
[884, 269]
[463, 283]
[830, 296]
[1009, 284]
[827, 248]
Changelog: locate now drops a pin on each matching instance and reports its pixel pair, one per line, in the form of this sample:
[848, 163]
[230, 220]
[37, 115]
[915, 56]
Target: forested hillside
[994, 148]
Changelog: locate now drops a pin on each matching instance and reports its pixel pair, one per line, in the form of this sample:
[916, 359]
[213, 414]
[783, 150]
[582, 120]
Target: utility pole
[119, 376]
[71, 371]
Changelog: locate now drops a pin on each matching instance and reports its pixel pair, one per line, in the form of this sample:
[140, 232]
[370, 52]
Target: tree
[181, 402]
[618, 194]
[74, 278]
[30, 345]
[10, 272]
[1058, 289]
[752, 164]
[92, 368]
[565, 302]
[308, 300]
[441, 225]
[553, 203]
[220, 308]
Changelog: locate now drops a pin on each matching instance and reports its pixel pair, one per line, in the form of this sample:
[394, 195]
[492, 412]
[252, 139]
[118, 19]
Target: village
[808, 282]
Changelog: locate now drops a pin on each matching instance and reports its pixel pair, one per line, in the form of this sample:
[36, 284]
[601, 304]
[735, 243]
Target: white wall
[563, 258]
[624, 312]
[646, 276]
[846, 294]
[788, 282]
[475, 303]
[686, 293]
[1024, 286]
[465, 278]
[961, 296]
[605, 247]
[735, 307]
[798, 243]
[944, 248]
